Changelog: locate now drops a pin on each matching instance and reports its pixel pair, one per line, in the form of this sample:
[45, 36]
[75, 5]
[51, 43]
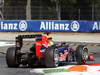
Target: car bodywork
[39, 55]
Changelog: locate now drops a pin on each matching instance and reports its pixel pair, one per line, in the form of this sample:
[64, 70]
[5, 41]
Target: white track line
[5, 44]
[91, 70]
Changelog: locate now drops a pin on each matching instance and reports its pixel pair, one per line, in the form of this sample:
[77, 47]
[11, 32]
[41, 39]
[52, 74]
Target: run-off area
[67, 69]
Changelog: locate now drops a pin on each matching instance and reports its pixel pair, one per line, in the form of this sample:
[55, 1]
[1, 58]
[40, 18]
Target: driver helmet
[63, 43]
[47, 33]
[49, 38]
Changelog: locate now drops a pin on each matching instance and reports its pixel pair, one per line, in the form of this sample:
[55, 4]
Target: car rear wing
[19, 39]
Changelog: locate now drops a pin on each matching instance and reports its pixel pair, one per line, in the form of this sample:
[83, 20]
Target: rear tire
[81, 54]
[11, 58]
[51, 58]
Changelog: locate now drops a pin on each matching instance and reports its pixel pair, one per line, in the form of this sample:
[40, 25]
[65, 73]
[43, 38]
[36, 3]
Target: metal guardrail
[30, 42]
[58, 43]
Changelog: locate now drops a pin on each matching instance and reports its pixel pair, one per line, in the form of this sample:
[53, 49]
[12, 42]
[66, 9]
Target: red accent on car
[91, 58]
[45, 40]
[62, 57]
[39, 44]
[38, 47]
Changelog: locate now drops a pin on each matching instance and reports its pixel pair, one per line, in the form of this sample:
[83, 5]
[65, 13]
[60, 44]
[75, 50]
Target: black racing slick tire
[51, 58]
[11, 58]
[81, 54]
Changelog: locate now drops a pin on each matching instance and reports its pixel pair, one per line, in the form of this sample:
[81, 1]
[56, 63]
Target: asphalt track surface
[4, 70]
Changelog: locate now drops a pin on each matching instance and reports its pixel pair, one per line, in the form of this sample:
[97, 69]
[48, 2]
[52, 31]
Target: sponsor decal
[23, 25]
[52, 25]
[6, 26]
[96, 26]
[75, 26]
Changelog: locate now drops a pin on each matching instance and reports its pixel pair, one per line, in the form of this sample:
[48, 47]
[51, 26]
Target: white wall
[57, 36]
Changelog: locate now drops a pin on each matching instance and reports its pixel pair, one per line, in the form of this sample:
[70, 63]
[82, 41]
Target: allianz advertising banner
[50, 25]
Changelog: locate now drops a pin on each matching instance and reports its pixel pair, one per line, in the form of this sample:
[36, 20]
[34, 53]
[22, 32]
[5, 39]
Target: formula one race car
[39, 55]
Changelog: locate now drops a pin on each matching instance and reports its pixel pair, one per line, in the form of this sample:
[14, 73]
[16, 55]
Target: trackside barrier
[83, 43]
[59, 43]
[67, 43]
[50, 25]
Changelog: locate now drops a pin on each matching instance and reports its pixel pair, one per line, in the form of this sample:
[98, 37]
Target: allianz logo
[96, 26]
[66, 26]
[22, 25]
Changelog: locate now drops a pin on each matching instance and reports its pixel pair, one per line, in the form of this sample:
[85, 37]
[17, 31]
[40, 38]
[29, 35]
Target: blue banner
[50, 25]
